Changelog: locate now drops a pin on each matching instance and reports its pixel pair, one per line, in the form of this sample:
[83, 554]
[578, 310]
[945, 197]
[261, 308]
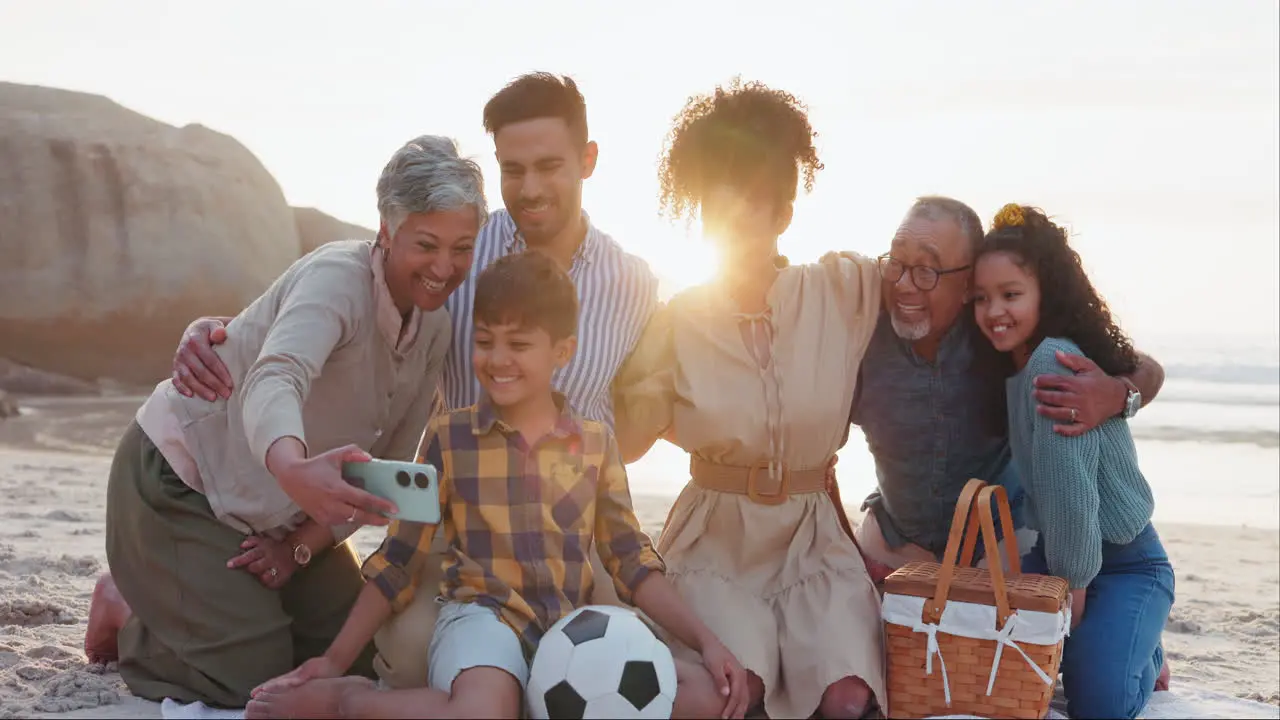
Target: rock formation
[316, 228]
[117, 230]
[23, 380]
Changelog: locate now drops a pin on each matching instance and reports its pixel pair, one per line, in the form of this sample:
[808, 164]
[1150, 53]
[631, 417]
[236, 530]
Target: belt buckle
[775, 498]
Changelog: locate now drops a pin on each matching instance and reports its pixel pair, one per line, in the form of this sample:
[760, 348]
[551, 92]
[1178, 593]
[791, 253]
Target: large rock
[316, 228]
[23, 380]
[117, 230]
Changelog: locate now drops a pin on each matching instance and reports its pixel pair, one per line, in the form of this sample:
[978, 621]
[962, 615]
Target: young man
[501, 594]
[544, 153]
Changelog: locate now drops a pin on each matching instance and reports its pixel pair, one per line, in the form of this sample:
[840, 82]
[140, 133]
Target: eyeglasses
[925, 278]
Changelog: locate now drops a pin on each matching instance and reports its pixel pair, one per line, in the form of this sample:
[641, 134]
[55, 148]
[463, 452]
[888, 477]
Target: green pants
[199, 630]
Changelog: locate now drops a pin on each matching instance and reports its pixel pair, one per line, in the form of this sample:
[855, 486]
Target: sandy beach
[1224, 634]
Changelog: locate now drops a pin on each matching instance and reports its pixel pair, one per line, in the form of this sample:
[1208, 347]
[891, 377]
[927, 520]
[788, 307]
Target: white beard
[910, 332]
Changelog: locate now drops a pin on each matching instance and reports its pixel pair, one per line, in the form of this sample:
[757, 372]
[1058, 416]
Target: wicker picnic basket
[963, 640]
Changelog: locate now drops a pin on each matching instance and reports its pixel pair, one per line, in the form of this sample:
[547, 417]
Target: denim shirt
[931, 427]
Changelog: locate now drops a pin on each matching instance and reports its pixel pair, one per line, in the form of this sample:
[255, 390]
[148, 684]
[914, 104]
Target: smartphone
[414, 488]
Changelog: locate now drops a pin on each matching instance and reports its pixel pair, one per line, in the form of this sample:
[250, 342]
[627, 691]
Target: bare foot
[107, 614]
[314, 699]
[1162, 680]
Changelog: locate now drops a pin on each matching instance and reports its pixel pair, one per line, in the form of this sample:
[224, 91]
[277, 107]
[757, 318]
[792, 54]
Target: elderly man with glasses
[931, 399]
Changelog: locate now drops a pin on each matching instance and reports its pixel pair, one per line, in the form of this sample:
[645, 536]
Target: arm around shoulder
[858, 279]
[1148, 377]
[644, 388]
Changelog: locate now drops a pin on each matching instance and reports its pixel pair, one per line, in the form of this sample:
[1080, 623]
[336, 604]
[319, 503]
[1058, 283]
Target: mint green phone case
[414, 488]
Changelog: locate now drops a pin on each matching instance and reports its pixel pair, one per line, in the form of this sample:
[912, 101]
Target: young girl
[1086, 495]
[752, 375]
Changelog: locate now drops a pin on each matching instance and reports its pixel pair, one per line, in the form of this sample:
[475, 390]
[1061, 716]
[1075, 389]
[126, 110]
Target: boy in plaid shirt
[526, 486]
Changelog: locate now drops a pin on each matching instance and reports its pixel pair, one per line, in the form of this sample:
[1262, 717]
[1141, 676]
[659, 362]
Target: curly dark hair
[1070, 306]
[746, 135]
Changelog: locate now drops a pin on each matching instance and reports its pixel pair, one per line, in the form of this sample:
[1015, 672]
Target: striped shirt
[617, 293]
[518, 520]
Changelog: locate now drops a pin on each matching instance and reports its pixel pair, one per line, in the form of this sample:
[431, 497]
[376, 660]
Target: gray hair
[428, 175]
[938, 207]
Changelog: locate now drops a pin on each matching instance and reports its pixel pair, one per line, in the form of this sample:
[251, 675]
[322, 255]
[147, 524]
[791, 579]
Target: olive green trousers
[199, 630]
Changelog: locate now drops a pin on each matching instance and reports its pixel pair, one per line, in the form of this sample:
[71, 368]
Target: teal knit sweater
[1081, 491]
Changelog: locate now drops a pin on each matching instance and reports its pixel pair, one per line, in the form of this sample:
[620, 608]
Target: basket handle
[996, 569]
[1010, 539]
[972, 528]
[986, 525]
[1012, 554]
[933, 609]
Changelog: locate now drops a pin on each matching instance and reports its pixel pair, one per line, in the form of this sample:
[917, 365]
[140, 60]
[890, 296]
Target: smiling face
[428, 256]
[940, 244]
[542, 168]
[1006, 303]
[515, 363]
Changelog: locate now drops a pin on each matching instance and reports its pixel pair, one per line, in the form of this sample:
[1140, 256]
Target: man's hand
[197, 369]
[317, 668]
[272, 562]
[317, 486]
[729, 676]
[1078, 403]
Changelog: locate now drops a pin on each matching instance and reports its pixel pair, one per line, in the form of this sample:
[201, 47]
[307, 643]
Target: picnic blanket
[1181, 702]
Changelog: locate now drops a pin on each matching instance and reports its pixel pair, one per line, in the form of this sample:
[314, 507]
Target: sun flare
[682, 259]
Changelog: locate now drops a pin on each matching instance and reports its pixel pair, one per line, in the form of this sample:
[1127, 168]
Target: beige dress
[782, 585]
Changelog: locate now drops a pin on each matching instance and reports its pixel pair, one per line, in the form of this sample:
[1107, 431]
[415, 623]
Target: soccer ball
[601, 661]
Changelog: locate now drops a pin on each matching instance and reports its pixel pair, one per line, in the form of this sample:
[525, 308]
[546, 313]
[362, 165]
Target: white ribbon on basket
[931, 649]
[978, 622]
[1002, 639]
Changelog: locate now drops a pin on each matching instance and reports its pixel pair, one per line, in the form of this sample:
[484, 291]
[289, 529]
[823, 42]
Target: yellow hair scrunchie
[1009, 216]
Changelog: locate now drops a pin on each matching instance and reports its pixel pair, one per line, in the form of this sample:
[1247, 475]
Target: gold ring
[1074, 415]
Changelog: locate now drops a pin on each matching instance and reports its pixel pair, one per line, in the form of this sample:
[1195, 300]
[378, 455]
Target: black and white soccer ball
[601, 661]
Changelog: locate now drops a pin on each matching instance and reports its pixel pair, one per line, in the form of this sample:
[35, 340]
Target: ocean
[1209, 444]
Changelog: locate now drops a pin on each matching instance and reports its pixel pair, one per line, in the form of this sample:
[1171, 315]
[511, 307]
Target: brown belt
[755, 483]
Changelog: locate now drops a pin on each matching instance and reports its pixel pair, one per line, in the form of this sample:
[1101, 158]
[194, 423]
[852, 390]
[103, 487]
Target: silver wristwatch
[1132, 400]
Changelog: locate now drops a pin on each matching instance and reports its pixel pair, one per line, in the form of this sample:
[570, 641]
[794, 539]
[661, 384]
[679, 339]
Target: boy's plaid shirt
[519, 520]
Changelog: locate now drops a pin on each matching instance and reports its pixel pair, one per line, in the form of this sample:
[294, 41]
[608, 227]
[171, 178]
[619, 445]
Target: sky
[1149, 127]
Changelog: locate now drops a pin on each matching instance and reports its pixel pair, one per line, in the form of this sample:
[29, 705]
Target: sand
[1224, 634]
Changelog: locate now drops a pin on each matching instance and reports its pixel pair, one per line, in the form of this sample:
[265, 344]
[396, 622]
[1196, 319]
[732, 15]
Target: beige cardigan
[314, 358]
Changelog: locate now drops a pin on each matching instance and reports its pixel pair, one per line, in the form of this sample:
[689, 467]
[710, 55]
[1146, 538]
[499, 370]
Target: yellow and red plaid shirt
[519, 520]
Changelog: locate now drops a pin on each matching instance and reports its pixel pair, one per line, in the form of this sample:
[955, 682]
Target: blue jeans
[1111, 660]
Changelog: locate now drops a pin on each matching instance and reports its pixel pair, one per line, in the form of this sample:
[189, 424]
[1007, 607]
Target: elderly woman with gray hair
[227, 521]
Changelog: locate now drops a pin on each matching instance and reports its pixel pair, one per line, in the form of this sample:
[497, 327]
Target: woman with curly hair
[752, 374]
[1086, 495]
